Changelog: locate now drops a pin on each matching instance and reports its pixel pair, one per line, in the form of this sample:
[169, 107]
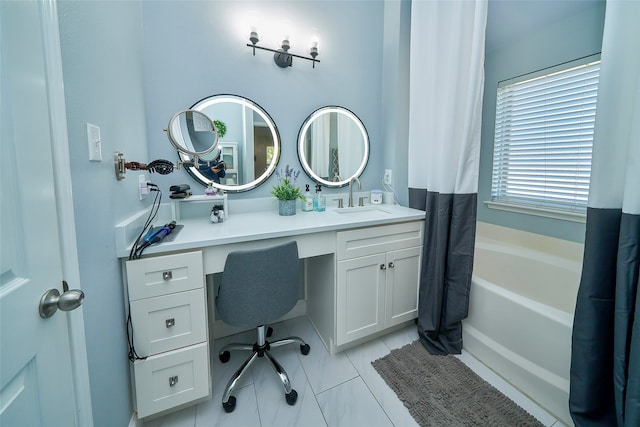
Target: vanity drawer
[172, 379]
[168, 322]
[162, 275]
[374, 240]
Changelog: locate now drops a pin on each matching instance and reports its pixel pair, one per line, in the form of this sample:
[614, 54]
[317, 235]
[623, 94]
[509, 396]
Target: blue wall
[102, 65]
[196, 49]
[565, 40]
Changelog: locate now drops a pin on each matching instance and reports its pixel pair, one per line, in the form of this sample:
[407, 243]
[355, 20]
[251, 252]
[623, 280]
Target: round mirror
[192, 133]
[248, 145]
[333, 146]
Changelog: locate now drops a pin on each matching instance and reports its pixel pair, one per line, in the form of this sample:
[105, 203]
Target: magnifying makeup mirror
[194, 135]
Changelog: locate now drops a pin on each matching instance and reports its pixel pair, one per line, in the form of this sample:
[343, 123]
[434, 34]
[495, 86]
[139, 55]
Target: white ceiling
[512, 19]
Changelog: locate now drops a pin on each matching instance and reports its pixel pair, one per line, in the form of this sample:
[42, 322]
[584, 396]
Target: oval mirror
[333, 146]
[248, 144]
[192, 133]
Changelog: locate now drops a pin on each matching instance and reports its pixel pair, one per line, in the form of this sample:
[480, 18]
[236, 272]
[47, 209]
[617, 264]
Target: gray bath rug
[443, 391]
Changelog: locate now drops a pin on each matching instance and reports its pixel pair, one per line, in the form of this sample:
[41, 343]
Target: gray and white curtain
[446, 84]
[605, 361]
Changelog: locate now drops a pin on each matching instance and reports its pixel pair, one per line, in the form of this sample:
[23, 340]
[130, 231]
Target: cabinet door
[360, 297]
[403, 277]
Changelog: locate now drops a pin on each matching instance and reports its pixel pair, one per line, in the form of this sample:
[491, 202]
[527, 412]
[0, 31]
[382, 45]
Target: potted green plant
[221, 128]
[286, 191]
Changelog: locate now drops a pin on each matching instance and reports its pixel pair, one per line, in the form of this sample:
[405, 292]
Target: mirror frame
[179, 147]
[205, 102]
[301, 145]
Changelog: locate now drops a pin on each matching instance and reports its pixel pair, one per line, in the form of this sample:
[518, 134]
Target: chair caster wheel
[304, 349]
[269, 331]
[224, 357]
[230, 405]
[291, 397]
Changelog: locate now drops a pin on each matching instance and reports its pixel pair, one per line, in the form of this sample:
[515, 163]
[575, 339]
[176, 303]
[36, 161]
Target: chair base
[261, 348]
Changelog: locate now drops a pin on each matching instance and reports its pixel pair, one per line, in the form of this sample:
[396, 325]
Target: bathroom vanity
[361, 273]
[361, 264]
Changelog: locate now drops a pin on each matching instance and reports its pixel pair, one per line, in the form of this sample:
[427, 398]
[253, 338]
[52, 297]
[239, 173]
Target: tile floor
[333, 390]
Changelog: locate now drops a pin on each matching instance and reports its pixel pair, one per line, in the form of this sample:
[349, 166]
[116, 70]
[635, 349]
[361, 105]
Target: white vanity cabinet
[167, 300]
[361, 274]
[377, 276]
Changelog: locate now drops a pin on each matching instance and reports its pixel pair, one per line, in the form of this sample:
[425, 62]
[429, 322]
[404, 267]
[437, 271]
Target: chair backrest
[259, 285]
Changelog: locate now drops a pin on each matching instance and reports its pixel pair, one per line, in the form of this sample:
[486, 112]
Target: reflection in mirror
[333, 146]
[248, 145]
[192, 133]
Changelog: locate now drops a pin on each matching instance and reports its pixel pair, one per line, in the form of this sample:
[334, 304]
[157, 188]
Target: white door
[36, 382]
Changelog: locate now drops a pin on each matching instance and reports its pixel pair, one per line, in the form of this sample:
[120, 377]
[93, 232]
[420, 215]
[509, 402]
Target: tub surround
[522, 300]
[361, 277]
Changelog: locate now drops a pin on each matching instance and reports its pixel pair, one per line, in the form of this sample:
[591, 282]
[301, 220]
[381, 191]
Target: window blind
[544, 138]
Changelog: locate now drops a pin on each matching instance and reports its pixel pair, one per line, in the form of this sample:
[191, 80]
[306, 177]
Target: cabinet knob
[173, 381]
[383, 267]
[170, 322]
[167, 275]
[391, 265]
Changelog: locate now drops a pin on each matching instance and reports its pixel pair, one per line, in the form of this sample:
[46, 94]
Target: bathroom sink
[364, 211]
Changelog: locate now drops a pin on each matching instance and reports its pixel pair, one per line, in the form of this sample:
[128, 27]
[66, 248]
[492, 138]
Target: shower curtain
[446, 87]
[349, 146]
[605, 362]
[320, 146]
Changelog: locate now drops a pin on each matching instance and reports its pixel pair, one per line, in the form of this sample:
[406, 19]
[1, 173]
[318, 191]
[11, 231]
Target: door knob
[51, 301]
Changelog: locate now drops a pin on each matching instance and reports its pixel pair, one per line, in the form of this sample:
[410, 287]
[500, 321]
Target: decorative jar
[287, 207]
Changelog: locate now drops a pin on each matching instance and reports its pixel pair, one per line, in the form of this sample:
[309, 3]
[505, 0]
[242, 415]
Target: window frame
[537, 206]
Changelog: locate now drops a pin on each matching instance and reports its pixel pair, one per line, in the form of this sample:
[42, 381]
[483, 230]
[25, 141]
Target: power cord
[135, 253]
[389, 188]
[138, 247]
[133, 356]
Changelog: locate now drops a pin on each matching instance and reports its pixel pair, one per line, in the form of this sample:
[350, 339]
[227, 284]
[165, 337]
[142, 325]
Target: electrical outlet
[142, 186]
[387, 176]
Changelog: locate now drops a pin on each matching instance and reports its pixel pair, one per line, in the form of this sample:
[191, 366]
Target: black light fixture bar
[282, 56]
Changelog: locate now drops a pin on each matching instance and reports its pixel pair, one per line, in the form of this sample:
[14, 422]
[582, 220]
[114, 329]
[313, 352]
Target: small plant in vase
[286, 191]
[221, 128]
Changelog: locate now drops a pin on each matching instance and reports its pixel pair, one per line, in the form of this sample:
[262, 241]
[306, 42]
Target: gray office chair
[259, 286]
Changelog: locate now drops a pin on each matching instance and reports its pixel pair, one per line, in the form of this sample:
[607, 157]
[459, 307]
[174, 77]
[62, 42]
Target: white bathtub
[521, 308]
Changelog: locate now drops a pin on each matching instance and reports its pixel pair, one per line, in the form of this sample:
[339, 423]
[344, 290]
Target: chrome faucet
[350, 205]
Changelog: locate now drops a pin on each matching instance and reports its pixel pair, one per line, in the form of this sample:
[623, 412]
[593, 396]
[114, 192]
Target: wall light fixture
[281, 56]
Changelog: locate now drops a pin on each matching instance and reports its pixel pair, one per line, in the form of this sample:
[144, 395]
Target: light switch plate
[95, 144]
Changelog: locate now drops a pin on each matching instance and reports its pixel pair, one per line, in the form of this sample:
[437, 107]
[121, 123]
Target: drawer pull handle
[170, 322]
[167, 275]
[383, 267]
[391, 265]
[173, 381]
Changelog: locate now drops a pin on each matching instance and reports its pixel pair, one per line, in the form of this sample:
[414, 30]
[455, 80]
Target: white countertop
[200, 232]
